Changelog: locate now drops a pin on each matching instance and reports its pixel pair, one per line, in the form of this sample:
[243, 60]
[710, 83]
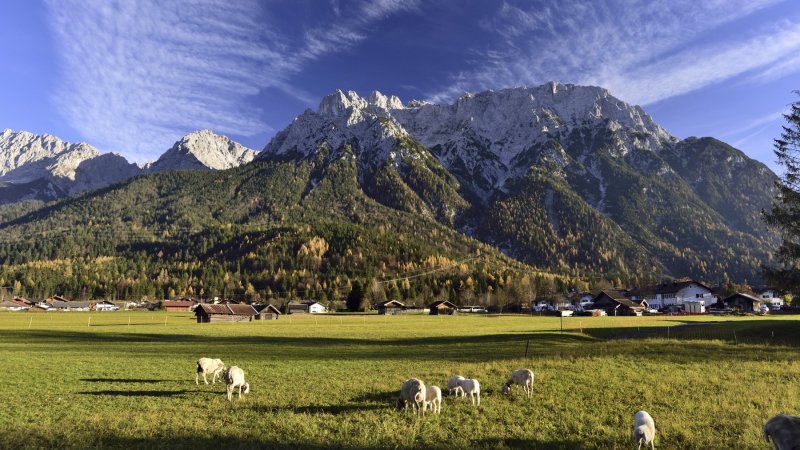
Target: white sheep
[433, 398]
[644, 430]
[472, 387]
[522, 377]
[784, 431]
[234, 378]
[206, 366]
[413, 390]
[452, 386]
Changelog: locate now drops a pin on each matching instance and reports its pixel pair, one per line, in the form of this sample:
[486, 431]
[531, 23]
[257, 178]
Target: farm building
[9, 306]
[177, 305]
[305, 306]
[267, 312]
[224, 313]
[390, 307]
[56, 298]
[615, 303]
[675, 292]
[69, 306]
[742, 302]
[23, 302]
[442, 307]
[105, 305]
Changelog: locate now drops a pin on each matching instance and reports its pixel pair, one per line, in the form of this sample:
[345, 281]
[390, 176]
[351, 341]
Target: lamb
[523, 377]
[206, 366]
[234, 378]
[644, 430]
[413, 390]
[433, 398]
[452, 386]
[472, 387]
[784, 431]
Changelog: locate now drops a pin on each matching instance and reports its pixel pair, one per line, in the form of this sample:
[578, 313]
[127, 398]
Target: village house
[675, 293]
[772, 298]
[10, 306]
[442, 307]
[224, 312]
[267, 312]
[742, 302]
[615, 302]
[24, 302]
[105, 305]
[69, 306]
[390, 307]
[305, 306]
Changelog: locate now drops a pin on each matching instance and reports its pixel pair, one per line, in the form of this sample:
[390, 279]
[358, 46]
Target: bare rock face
[25, 156]
[203, 150]
[488, 138]
[34, 167]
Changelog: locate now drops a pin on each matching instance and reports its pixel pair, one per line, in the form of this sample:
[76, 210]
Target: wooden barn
[267, 312]
[224, 313]
[742, 302]
[615, 303]
[442, 307]
[177, 305]
[390, 307]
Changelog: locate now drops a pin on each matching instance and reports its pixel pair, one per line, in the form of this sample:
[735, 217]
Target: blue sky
[133, 76]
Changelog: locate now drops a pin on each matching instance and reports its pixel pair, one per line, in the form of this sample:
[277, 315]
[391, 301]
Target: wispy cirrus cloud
[136, 75]
[642, 51]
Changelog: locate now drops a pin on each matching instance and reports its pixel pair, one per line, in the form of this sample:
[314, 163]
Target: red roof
[178, 303]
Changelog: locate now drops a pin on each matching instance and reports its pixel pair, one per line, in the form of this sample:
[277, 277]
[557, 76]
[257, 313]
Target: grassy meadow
[126, 380]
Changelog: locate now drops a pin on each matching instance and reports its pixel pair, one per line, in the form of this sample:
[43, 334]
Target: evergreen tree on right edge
[785, 213]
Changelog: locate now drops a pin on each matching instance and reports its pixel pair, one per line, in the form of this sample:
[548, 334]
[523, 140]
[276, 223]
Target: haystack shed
[224, 313]
[390, 307]
[442, 307]
[267, 312]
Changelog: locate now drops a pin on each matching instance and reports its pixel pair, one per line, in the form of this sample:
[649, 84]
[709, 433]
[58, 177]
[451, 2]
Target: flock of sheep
[784, 430]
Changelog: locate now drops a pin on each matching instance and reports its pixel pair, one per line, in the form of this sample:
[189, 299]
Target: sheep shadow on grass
[320, 409]
[565, 444]
[124, 380]
[128, 393]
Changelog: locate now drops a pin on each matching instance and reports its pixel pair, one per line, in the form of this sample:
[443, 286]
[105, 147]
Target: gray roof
[64, 305]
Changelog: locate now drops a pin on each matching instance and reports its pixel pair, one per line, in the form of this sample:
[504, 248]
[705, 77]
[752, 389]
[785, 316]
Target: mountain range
[559, 178]
[43, 167]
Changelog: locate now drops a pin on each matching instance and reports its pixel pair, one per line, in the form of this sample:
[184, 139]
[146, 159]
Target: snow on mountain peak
[489, 134]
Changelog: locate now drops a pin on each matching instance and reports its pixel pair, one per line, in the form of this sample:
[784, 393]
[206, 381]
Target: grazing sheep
[784, 431]
[471, 387]
[433, 398]
[412, 390]
[452, 386]
[523, 377]
[644, 430]
[206, 366]
[234, 378]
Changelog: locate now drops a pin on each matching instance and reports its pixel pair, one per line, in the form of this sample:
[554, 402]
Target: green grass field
[127, 381]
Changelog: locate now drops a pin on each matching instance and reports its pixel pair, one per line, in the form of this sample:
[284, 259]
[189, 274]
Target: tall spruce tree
[785, 213]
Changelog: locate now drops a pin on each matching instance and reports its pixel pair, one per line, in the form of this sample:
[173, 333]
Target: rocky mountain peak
[203, 150]
[339, 102]
[23, 153]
